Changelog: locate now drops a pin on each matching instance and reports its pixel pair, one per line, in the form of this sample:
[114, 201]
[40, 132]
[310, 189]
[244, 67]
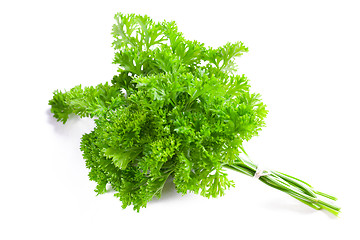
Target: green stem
[292, 186]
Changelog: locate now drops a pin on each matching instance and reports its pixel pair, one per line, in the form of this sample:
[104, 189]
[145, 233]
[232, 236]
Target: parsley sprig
[185, 116]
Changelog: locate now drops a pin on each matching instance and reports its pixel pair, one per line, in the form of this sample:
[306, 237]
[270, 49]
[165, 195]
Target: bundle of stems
[290, 185]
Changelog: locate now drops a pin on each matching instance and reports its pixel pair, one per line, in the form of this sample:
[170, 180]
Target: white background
[303, 58]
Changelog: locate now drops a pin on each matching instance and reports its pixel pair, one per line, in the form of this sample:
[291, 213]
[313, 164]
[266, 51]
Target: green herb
[175, 110]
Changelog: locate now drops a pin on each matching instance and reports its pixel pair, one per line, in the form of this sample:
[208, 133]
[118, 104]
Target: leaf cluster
[184, 115]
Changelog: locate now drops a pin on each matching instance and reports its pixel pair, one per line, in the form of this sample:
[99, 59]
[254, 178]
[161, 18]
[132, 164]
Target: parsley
[176, 109]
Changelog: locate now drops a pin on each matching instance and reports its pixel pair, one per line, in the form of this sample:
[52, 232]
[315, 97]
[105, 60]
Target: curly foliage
[185, 114]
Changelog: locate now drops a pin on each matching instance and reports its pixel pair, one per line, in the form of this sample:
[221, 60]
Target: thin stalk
[326, 195]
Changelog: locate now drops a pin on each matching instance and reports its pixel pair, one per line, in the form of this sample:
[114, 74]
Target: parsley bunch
[175, 110]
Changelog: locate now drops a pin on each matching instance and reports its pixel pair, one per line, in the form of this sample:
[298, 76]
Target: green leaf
[121, 158]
